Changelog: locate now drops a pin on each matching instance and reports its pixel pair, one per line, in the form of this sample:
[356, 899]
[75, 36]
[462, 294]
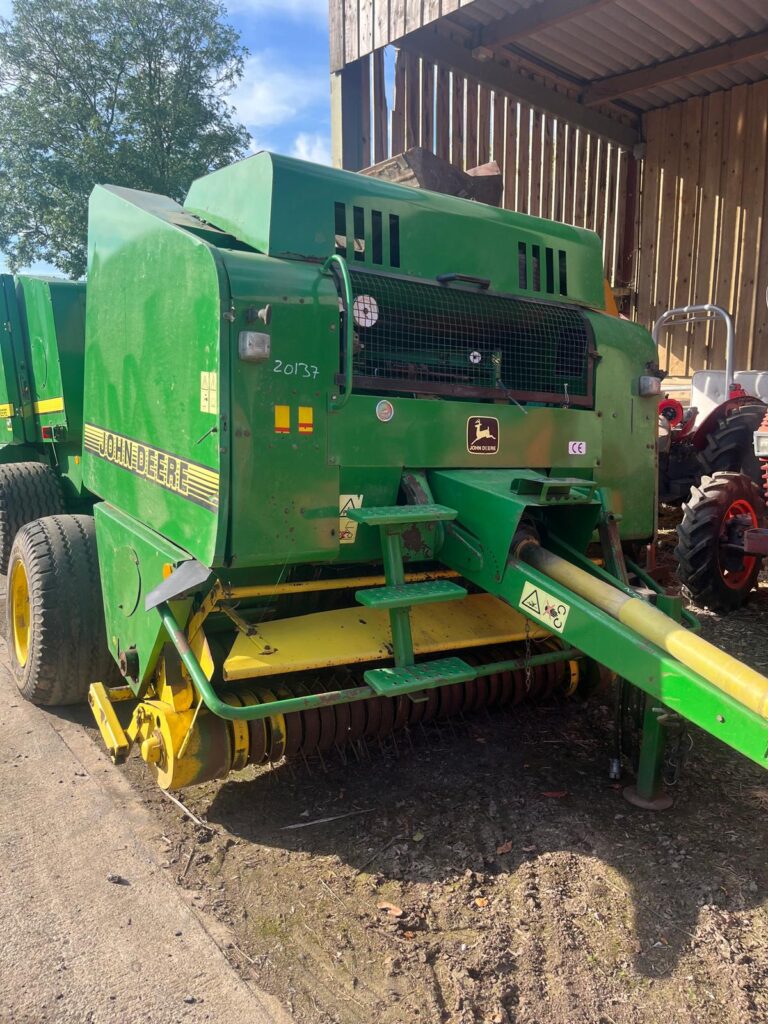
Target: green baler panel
[288, 208]
[156, 417]
[285, 490]
[16, 424]
[131, 560]
[53, 313]
[292, 472]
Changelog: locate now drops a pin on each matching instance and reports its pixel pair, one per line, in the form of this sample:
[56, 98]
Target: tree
[124, 92]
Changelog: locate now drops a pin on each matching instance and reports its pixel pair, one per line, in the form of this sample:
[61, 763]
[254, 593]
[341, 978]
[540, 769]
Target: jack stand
[648, 791]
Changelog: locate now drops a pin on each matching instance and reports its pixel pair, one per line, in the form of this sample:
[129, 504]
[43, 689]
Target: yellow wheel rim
[20, 617]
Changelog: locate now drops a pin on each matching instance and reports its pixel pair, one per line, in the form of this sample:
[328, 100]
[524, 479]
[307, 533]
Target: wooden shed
[645, 120]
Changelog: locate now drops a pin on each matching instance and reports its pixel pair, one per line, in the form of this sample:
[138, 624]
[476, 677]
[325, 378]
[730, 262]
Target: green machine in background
[362, 457]
[42, 344]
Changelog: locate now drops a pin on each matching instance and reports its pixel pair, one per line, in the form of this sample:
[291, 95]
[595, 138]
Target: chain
[528, 672]
[678, 746]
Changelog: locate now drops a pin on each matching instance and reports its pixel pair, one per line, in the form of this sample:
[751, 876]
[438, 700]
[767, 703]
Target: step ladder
[398, 597]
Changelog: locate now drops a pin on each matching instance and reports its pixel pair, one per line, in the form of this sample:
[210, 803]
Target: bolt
[721, 718]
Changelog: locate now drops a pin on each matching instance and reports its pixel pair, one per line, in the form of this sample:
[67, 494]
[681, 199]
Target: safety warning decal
[209, 392]
[348, 527]
[543, 606]
[482, 435]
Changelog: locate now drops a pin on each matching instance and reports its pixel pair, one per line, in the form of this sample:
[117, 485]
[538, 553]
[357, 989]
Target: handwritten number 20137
[299, 369]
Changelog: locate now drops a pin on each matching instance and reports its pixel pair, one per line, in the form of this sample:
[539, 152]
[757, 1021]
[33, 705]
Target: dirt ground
[491, 873]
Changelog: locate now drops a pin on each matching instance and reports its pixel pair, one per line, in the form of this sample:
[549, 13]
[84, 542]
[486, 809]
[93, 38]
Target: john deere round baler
[352, 448]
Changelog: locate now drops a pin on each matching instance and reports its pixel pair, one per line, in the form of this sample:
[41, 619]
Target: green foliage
[124, 92]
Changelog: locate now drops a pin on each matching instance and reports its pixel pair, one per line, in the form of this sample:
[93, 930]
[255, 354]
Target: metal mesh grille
[424, 338]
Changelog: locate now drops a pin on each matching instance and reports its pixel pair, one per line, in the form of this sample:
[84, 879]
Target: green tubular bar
[349, 326]
[251, 712]
[552, 658]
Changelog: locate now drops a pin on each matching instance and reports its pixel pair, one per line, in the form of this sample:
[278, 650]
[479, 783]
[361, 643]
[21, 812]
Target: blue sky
[284, 97]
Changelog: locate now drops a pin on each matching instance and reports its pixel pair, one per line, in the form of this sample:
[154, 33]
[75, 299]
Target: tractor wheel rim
[736, 578]
[20, 613]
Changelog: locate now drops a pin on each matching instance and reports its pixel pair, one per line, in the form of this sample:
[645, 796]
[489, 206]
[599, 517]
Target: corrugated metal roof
[624, 35]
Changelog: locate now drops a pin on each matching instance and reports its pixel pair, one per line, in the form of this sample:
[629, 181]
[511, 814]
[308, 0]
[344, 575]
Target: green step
[407, 594]
[389, 682]
[401, 515]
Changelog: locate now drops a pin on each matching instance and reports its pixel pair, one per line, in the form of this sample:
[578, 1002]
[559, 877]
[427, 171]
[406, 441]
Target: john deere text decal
[190, 480]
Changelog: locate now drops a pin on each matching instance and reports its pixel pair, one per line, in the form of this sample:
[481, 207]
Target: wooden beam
[533, 19]
[350, 120]
[712, 59]
[628, 241]
[336, 33]
[447, 53]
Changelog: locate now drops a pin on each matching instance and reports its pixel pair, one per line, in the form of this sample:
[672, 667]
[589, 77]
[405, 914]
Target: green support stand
[394, 572]
[648, 791]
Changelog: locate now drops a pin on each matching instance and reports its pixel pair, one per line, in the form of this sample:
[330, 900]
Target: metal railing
[706, 313]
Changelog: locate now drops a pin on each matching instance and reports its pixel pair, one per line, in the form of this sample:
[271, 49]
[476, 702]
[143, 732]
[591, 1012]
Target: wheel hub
[736, 566]
[20, 612]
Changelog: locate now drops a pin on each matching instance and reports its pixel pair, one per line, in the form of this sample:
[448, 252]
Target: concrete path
[75, 947]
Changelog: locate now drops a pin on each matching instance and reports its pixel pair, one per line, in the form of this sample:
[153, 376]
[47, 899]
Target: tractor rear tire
[730, 447]
[55, 630]
[28, 491]
[712, 576]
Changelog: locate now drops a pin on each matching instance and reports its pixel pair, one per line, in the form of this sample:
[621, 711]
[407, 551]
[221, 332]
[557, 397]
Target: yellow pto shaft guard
[723, 671]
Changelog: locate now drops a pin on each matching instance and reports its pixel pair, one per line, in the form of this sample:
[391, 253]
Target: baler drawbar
[359, 458]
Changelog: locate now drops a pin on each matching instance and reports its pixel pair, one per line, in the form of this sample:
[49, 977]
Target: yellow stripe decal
[49, 405]
[190, 480]
[6, 411]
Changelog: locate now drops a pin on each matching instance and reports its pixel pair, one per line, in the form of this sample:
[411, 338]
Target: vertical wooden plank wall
[703, 236]
[550, 168]
[357, 27]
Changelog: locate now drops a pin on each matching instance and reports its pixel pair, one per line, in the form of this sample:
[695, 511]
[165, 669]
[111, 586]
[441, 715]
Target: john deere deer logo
[482, 435]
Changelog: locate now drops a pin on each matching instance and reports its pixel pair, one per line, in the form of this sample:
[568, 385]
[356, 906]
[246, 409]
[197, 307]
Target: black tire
[67, 646]
[28, 491]
[712, 576]
[730, 446]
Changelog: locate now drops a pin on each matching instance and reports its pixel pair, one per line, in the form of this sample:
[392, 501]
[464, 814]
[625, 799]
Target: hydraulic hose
[723, 671]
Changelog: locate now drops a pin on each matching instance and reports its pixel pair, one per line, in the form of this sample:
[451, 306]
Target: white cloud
[312, 146]
[6, 7]
[317, 10]
[268, 95]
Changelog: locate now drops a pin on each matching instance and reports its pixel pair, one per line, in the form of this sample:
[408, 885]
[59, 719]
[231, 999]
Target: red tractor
[715, 433]
[713, 457]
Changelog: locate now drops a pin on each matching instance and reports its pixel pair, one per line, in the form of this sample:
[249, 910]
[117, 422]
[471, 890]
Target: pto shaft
[726, 673]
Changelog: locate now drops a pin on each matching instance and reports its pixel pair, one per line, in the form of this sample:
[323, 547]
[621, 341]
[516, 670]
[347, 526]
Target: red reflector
[47, 433]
